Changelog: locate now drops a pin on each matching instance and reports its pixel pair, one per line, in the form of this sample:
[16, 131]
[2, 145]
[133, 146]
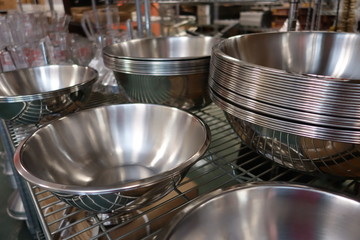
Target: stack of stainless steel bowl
[293, 97]
[164, 70]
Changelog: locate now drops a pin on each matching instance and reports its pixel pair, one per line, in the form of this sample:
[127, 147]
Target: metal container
[113, 158]
[267, 211]
[298, 152]
[39, 94]
[326, 55]
[293, 97]
[165, 70]
[311, 72]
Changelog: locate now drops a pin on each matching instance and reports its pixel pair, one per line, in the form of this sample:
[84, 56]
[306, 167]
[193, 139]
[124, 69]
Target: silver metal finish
[139, 18]
[15, 207]
[113, 158]
[226, 163]
[162, 48]
[313, 53]
[298, 152]
[147, 8]
[166, 70]
[297, 85]
[267, 211]
[42, 93]
[188, 92]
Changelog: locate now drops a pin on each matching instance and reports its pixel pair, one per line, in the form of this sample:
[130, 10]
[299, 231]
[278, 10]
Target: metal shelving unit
[228, 162]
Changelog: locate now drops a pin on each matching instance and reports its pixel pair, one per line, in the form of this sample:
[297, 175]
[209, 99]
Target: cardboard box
[8, 4]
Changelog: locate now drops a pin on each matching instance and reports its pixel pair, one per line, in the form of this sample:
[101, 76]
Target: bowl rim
[169, 228]
[54, 93]
[219, 53]
[107, 51]
[133, 185]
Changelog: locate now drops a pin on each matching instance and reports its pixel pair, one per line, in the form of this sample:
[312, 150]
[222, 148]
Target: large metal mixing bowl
[165, 70]
[327, 55]
[42, 93]
[113, 158]
[267, 211]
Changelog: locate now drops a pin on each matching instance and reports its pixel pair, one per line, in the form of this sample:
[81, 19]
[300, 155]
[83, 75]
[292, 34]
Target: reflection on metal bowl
[325, 55]
[184, 91]
[267, 211]
[298, 152]
[165, 70]
[37, 94]
[113, 158]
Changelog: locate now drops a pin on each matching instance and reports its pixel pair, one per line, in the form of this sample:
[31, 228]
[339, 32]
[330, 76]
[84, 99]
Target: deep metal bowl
[113, 158]
[326, 55]
[170, 71]
[40, 94]
[269, 211]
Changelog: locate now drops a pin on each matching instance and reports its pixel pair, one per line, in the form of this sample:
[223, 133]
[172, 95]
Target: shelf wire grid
[227, 162]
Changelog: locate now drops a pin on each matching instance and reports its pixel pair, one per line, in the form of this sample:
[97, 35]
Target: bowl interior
[314, 53]
[43, 79]
[163, 48]
[270, 212]
[110, 146]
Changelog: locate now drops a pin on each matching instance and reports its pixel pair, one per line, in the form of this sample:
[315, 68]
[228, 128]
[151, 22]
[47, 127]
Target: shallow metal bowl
[40, 94]
[269, 211]
[325, 55]
[113, 158]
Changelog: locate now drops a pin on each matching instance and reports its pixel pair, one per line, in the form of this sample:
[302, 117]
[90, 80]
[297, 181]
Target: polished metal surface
[297, 85]
[270, 211]
[113, 158]
[162, 48]
[292, 127]
[336, 121]
[328, 54]
[302, 153]
[188, 92]
[41, 93]
[171, 71]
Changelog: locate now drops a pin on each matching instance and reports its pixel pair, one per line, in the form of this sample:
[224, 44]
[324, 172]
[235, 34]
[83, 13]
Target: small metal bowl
[171, 71]
[267, 211]
[113, 158]
[39, 94]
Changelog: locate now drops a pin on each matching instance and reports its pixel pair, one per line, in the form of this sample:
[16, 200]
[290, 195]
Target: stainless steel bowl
[40, 94]
[293, 97]
[307, 154]
[329, 56]
[269, 211]
[113, 158]
[162, 48]
[189, 92]
[165, 70]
